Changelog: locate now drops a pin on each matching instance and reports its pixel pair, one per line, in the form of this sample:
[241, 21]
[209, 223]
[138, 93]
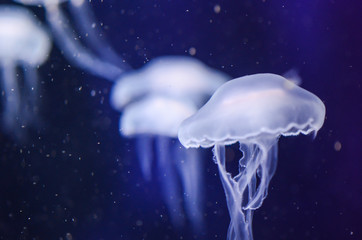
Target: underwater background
[75, 177]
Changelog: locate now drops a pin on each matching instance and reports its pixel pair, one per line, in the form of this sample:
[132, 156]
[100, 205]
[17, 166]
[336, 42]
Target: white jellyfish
[90, 52]
[24, 43]
[156, 119]
[155, 100]
[175, 76]
[255, 111]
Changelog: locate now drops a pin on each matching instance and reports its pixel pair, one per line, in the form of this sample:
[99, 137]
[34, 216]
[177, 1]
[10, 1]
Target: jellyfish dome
[163, 116]
[21, 38]
[175, 76]
[155, 100]
[255, 111]
[24, 43]
[246, 107]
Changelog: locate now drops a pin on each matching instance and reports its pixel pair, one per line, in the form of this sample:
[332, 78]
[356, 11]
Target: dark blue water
[74, 177]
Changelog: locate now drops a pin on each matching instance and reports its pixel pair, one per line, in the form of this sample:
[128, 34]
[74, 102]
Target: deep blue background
[75, 178]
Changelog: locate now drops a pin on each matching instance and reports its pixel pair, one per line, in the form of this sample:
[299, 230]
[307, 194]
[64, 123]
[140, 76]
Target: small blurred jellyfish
[155, 100]
[174, 76]
[156, 119]
[24, 43]
[254, 111]
[90, 50]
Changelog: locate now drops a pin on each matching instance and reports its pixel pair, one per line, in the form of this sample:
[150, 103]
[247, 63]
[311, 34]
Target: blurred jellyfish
[175, 76]
[156, 99]
[254, 111]
[24, 43]
[156, 119]
[88, 51]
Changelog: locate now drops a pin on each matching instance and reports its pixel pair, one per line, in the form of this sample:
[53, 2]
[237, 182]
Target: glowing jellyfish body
[22, 43]
[254, 111]
[174, 76]
[163, 115]
[155, 100]
[155, 119]
[91, 53]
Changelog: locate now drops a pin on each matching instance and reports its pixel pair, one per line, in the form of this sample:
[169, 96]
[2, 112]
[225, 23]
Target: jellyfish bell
[21, 37]
[246, 107]
[254, 111]
[155, 114]
[23, 42]
[176, 76]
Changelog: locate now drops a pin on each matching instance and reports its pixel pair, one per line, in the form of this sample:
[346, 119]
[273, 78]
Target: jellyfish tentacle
[74, 51]
[169, 181]
[145, 155]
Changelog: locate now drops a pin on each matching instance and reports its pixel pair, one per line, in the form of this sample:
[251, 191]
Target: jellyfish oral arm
[239, 225]
[74, 51]
[258, 161]
[145, 157]
[265, 171]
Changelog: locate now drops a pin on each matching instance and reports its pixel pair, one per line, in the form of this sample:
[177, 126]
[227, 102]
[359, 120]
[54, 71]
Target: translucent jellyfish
[90, 52]
[24, 43]
[156, 119]
[255, 111]
[155, 100]
[175, 76]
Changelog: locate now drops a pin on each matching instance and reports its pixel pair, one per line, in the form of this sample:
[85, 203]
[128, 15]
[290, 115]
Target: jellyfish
[24, 43]
[176, 76]
[92, 54]
[154, 101]
[254, 111]
[154, 120]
